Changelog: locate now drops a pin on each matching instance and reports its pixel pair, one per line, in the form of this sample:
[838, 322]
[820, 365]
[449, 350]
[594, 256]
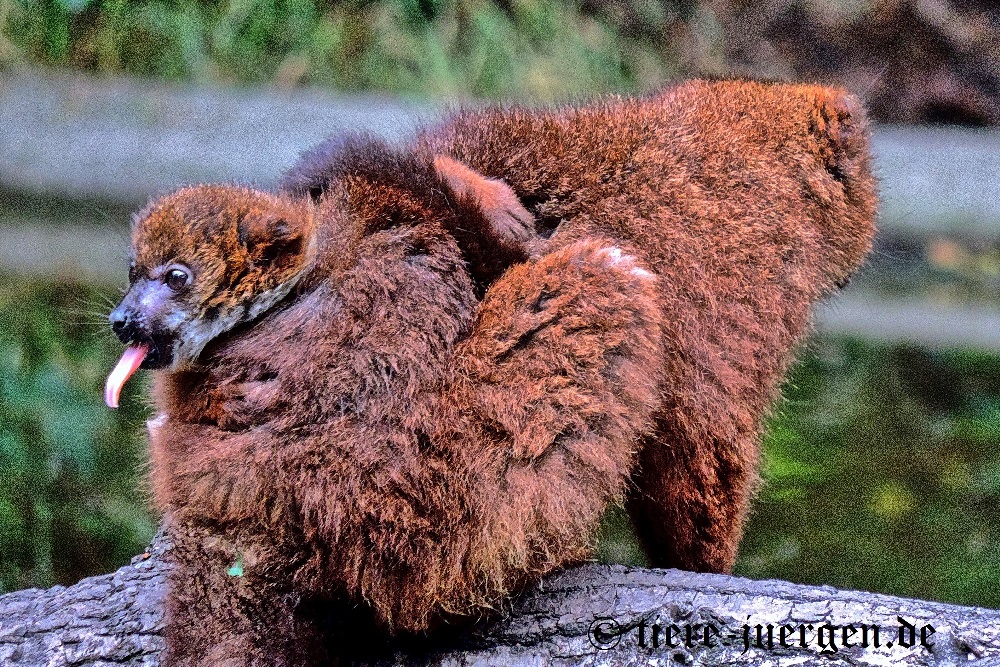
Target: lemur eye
[177, 278]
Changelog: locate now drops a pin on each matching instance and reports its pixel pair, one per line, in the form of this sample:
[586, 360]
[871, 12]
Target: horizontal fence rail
[120, 141]
[124, 139]
[98, 255]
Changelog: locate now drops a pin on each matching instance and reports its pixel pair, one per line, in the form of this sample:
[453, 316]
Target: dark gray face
[205, 259]
[154, 313]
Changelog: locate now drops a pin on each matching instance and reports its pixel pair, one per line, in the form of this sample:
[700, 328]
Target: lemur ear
[838, 124]
[273, 240]
[495, 198]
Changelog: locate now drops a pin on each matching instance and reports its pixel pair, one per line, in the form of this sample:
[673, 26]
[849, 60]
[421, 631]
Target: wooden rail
[74, 135]
[111, 143]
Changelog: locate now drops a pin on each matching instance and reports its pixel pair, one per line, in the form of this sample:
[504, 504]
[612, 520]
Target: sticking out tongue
[128, 364]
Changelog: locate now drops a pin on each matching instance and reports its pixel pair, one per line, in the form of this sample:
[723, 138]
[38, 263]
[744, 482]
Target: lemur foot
[614, 257]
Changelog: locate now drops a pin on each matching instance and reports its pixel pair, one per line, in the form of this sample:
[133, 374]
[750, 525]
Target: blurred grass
[882, 463]
[70, 469]
[881, 473]
[536, 49]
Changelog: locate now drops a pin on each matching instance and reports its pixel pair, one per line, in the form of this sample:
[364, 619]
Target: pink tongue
[126, 366]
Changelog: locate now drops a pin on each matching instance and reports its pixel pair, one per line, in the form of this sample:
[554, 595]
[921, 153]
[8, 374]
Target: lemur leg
[221, 613]
[691, 497]
[229, 601]
[697, 473]
[521, 452]
[515, 458]
[562, 377]
[567, 347]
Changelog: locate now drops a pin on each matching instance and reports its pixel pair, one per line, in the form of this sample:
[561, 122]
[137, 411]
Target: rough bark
[113, 619]
[593, 615]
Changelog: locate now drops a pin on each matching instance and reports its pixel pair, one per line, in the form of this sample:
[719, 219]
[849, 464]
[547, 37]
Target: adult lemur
[415, 377]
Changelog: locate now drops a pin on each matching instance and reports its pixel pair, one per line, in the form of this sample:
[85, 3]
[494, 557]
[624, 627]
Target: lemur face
[205, 259]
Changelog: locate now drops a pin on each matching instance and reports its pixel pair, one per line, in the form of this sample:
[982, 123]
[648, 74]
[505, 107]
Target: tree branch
[605, 615]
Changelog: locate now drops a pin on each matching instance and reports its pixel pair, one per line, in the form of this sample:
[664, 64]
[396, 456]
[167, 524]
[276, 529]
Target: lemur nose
[119, 320]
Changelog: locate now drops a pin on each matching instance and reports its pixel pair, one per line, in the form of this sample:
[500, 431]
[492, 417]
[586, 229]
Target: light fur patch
[200, 332]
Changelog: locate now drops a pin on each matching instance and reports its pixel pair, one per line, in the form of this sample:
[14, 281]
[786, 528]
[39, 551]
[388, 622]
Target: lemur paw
[613, 257]
[607, 257]
[590, 274]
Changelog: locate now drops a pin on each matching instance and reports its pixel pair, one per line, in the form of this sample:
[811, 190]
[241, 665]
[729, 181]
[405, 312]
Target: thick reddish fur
[438, 415]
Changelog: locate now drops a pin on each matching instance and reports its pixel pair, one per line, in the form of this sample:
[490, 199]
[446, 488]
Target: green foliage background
[71, 498]
[536, 49]
[882, 463]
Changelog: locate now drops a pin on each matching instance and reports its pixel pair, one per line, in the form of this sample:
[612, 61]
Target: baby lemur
[414, 377]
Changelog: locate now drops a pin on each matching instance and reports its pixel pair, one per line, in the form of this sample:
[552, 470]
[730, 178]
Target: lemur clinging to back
[415, 377]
